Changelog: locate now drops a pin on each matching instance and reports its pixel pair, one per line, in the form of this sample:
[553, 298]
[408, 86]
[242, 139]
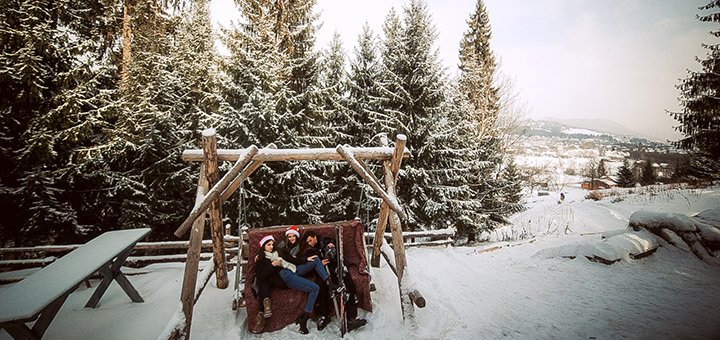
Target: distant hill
[582, 129]
[601, 125]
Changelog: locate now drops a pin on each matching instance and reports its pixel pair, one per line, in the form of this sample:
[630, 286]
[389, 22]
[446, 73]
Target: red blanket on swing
[287, 304]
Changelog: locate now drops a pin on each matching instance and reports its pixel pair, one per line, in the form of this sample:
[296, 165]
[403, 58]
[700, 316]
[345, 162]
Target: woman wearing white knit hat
[271, 268]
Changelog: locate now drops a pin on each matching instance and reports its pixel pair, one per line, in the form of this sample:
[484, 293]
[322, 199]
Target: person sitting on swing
[291, 247]
[291, 243]
[325, 249]
[275, 271]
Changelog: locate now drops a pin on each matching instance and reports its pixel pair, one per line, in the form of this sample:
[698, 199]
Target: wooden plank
[310, 154]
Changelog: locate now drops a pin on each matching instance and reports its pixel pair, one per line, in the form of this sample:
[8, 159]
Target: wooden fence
[17, 258]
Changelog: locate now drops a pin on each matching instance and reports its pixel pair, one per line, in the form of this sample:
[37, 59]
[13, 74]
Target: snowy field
[473, 292]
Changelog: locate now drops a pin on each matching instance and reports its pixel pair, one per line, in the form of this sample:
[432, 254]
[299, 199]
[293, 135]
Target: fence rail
[19, 258]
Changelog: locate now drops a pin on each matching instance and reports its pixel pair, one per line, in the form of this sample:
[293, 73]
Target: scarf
[274, 256]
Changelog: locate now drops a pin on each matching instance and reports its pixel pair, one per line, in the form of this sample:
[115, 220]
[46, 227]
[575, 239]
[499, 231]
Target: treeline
[100, 98]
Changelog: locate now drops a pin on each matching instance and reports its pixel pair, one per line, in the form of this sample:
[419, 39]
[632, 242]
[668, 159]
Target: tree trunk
[126, 49]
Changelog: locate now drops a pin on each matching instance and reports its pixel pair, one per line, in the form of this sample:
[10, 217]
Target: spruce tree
[54, 75]
[700, 98]
[601, 169]
[273, 90]
[477, 72]
[365, 98]
[648, 176]
[170, 89]
[474, 200]
[343, 189]
[414, 98]
[512, 193]
[390, 80]
[625, 176]
[494, 184]
[365, 111]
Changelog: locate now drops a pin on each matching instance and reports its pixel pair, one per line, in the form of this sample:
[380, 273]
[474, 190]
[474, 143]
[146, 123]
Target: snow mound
[700, 233]
[655, 220]
[708, 223]
[709, 216]
[619, 246]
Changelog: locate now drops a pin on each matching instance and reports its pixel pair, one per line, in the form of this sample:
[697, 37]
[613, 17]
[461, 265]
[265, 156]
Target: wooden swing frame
[211, 193]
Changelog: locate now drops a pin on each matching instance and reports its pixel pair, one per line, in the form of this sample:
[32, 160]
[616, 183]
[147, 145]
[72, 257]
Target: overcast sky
[612, 59]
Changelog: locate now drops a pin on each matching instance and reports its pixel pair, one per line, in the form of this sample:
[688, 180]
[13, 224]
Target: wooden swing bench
[213, 190]
[40, 295]
[287, 304]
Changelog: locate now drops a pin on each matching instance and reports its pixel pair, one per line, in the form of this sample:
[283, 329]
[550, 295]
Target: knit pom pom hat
[293, 229]
[266, 239]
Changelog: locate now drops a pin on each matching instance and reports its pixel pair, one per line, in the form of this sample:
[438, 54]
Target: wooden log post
[390, 178]
[379, 232]
[395, 226]
[217, 189]
[187, 294]
[397, 244]
[417, 298]
[209, 143]
[394, 168]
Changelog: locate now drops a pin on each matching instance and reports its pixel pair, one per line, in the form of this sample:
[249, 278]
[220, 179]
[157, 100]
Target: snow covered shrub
[594, 195]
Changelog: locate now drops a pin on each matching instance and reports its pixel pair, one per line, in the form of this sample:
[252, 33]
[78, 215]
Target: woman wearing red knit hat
[291, 244]
[279, 271]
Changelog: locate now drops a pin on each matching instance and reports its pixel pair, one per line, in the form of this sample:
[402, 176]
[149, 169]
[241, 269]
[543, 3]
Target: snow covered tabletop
[26, 299]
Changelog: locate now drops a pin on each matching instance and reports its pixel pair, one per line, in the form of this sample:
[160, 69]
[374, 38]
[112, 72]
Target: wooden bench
[40, 295]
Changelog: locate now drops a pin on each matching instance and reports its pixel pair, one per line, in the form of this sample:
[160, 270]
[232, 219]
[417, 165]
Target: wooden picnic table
[40, 295]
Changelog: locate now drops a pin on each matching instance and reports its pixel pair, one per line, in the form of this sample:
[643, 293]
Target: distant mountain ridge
[604, 126]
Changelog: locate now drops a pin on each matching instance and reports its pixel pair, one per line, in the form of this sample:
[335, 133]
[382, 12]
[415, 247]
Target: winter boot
[323, 322]
[267, 312]
[303, 323]
[259, 323]
[355, 324]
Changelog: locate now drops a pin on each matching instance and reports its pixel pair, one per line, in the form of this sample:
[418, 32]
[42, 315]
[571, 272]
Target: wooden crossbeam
[310, 154]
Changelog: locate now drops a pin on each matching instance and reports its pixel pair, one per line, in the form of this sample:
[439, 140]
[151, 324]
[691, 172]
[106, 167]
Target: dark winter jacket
[265, 272]
[318, 250]
[293, 250]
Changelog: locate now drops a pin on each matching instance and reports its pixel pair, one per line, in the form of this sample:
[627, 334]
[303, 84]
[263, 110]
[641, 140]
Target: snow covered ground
[474, 292]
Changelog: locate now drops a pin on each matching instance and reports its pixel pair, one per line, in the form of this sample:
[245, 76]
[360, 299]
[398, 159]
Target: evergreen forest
[100, 98]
